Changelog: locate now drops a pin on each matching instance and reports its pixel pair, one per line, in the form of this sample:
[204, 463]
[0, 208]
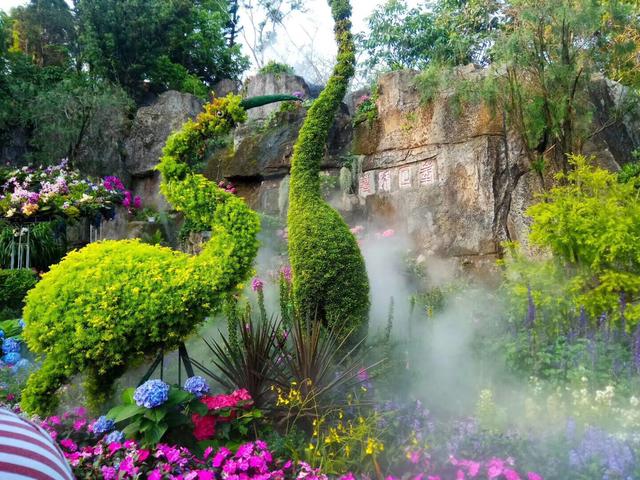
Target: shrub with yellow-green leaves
[590, 222]
[108, 306]
[329, 276]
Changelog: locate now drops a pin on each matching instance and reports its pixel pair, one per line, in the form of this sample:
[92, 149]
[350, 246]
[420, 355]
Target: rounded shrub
[329, 275]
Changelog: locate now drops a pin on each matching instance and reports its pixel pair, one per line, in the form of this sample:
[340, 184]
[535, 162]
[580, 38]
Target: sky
[307, 39]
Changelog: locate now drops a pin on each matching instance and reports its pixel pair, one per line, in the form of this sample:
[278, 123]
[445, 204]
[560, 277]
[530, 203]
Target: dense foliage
[545, 61]
[445, 32]
[276, 68]
[329, 276]
[14, 285]
[28, 194]
[68, 77]
[590, 223]
[184, 44]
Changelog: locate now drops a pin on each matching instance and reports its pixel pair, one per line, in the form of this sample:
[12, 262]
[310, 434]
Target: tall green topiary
[109, 305]
[329, 275]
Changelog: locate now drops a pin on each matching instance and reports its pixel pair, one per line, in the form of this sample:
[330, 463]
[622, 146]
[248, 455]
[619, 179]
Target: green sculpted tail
[329, 275]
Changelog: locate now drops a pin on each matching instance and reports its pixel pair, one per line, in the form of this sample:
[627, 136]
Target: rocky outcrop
[455, 181]
[444, 177]
[151, 127]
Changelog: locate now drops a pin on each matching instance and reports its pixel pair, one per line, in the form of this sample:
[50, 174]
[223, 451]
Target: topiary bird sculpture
[111, 304]
[329, 275]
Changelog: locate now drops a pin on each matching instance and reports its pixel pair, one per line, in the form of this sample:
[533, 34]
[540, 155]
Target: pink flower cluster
[204, 425]
[227, 187]
[286, 273]
[362, 99]
[129, 202]
[32, 192]
[257, 284]
[251, 461]
[495, 468]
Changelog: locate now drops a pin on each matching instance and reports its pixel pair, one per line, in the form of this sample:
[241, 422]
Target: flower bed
[29, 194]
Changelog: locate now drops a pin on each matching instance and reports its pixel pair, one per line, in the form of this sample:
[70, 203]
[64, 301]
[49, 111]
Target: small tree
[447, 32]
[545, 60]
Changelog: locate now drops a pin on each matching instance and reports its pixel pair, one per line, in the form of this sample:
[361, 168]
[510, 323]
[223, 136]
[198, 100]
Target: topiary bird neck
[310, 147]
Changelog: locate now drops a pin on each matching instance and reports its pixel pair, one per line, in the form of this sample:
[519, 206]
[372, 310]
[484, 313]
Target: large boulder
[151, 127]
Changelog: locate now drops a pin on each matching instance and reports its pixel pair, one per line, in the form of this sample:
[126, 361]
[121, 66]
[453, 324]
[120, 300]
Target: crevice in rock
[507, 174]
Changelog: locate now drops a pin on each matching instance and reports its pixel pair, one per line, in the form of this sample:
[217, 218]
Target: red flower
[219, 401]
[205, 426]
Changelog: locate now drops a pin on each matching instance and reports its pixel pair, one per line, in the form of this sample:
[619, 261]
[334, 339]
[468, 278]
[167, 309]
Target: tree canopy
[448, 31]
[69, 76]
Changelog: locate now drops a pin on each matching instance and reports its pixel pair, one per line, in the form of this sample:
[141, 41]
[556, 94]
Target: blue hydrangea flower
[103, 425]
[1, 333]
[22, 323]
[151, 394]
[22, 364]
[197, 386]
[114, 437]
[11, 358]
[10, 345]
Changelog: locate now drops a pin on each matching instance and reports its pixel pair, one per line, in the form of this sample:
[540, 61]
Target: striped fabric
[28, 453]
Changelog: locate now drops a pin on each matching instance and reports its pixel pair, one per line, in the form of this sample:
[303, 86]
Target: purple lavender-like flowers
[614, 456]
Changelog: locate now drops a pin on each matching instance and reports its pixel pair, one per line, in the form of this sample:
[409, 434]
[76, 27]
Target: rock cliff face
[151, 127]
[456, 183]
[446, 178]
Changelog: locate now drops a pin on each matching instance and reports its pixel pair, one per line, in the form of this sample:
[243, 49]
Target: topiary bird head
[188, 146]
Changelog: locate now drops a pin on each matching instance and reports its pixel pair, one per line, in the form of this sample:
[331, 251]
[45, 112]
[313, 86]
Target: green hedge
[14, 285]
[329, 276]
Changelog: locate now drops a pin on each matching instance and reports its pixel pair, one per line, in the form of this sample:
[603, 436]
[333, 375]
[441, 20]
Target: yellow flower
[30, 208]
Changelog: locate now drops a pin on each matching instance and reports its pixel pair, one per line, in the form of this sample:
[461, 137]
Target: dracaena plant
[252, 361]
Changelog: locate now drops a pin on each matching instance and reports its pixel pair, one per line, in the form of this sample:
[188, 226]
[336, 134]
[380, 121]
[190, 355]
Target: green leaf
[124, 412]
[155, 414]
[199, 408]
[176, 397]
[131, 430]
[127, 396]
[176, 419]
[155, 434]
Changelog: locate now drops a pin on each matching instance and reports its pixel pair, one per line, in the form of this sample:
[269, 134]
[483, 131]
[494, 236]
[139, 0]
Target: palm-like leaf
[252, 364]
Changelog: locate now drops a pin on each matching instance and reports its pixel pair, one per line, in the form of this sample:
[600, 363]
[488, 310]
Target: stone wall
[456, 183]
